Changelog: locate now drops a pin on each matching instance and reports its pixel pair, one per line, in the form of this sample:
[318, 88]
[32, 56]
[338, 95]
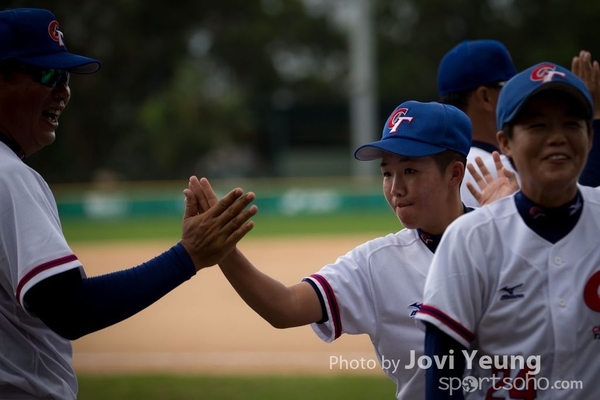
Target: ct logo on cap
[397, 118]
[55, 33]
[545, 73]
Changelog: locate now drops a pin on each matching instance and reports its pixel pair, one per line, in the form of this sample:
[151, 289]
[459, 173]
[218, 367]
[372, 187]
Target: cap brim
[71, 62]
[398, 146]
[562, 86]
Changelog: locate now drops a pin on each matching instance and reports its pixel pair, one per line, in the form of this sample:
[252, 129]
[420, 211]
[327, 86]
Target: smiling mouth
[52, 115]
[556, 157]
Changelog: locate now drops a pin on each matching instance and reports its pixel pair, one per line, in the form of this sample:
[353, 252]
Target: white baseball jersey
[499, 288]
[466, 196]
[35, 361]
[376, 289]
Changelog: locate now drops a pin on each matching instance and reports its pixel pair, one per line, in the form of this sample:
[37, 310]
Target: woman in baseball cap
[519, 278]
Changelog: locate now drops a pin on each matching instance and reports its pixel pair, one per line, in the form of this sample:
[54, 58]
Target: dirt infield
[204, 327]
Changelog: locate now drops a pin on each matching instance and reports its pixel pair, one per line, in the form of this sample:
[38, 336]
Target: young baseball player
[512, 293]
[471, 76]
[377, 288]
[46, 300]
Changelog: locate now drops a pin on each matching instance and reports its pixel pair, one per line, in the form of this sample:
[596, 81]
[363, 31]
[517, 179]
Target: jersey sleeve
[31, 236]
[346, 290]
[453, 290]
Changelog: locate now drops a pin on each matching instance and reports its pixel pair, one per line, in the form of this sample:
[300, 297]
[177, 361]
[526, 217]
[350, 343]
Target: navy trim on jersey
[324, 316]
[550, 223]
[333, 306]
[449, 322]
[485, 146]
[432, 241]
[13, 145]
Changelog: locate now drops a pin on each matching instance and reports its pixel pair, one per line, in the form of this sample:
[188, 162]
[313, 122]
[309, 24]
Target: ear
[483, 95]
[457, 173]
[504, 144]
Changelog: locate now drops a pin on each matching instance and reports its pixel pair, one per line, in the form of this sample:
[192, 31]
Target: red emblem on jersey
[397, 118]
[545, 73]
[55, 33]
[590, 292]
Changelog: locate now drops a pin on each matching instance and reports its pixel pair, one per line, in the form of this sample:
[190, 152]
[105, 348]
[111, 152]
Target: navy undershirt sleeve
[590, 176]
[438, 343]
[73, 306]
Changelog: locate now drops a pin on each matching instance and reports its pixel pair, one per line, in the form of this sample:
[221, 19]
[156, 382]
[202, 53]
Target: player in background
[471, 76]
[376, 288]
[46, 300]
[519, 278]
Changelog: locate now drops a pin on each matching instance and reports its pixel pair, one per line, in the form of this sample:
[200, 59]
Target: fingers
[191, 205]
[476, 194]
[199, 193]
[209, 193]
[575, 65]
[475, 174]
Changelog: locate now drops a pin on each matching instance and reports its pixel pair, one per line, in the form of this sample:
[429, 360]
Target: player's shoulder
[591, 195]
[403, 238]
[15, 175]
[490, 214]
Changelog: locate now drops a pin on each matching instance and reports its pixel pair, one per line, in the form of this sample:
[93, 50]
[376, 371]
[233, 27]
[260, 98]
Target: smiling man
[46, 300]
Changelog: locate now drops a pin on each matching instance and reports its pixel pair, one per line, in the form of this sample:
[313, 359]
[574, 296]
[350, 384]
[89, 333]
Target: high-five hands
[211, 228]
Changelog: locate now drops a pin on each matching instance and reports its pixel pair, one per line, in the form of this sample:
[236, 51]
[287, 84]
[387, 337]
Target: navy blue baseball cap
[474, 63]
[32, 36]
[418, 129]
[533, 80]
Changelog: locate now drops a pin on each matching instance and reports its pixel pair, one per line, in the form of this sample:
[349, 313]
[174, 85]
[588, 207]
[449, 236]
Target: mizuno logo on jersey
[510, 293]
[414, 308]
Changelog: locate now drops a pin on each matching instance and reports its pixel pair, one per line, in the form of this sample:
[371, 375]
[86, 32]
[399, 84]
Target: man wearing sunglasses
[46, 300]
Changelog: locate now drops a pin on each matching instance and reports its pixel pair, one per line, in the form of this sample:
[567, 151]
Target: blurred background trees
[245, 88]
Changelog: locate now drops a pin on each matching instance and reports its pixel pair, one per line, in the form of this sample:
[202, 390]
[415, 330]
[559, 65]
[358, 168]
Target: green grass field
[174, 387]
[375, 223]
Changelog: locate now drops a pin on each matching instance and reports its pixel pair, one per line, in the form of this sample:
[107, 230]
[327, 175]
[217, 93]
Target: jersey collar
[432, 241]
[12, 145]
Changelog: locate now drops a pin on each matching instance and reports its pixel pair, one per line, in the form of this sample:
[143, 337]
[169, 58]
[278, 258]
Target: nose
[556, 136]
[398, 187]
[62, 92]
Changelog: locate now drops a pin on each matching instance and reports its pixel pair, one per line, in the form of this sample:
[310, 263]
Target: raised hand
[492, 189]
[589, 72]
[212, 228]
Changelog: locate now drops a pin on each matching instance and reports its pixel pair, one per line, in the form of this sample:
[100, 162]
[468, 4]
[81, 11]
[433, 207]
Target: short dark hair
[447, 157]
[460, 99]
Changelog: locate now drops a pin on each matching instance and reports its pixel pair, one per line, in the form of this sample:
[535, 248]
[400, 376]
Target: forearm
[268, 297]
[74, 307]
[438, 380]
